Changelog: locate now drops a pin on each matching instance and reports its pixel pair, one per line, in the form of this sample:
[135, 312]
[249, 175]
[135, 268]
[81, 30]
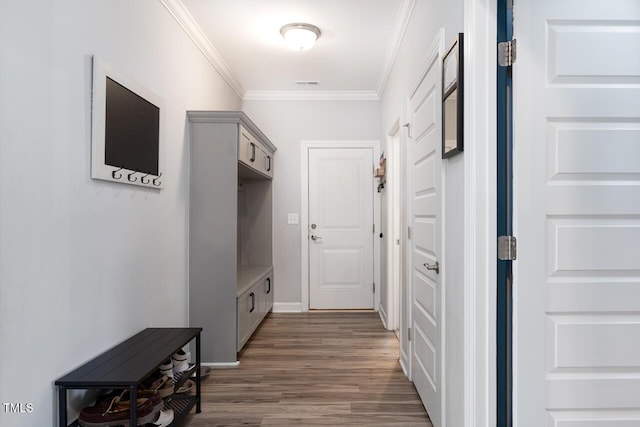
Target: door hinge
[409, 233]
[374, 287]
[374, 229]
[408, 334]
[507, 53]
[507, 246]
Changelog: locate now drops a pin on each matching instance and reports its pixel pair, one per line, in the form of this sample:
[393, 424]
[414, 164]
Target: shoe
[123, 396]
[204, 373]
[163, 385]
[180, 361]
[164, 418]
[186, 387]
[114, 412]
[167, 368]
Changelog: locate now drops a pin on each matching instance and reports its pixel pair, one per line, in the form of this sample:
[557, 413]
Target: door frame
[395, 214]
[504, 182]
[305, 146]
[480, 212]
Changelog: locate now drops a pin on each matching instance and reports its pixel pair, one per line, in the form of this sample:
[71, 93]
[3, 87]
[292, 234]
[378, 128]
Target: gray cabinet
[255, 299]
[230, 231]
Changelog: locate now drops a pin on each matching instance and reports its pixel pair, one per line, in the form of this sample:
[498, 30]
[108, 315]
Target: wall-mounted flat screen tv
[126, 137]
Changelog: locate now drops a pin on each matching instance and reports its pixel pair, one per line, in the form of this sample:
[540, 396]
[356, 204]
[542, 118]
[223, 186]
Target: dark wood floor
[311, 369]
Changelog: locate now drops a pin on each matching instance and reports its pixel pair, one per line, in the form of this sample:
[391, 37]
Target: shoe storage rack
[126, 365]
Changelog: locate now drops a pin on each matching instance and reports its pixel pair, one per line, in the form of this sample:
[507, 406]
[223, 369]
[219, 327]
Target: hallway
[328, 368]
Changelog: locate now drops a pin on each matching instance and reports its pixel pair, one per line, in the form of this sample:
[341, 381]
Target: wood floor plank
[314, 369]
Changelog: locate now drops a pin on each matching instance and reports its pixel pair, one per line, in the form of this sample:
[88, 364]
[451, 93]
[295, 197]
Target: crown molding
[266, 95]
[400, 28]
[182, 16]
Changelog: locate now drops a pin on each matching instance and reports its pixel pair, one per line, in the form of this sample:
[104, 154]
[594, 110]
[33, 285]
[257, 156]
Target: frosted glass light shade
[300, 36]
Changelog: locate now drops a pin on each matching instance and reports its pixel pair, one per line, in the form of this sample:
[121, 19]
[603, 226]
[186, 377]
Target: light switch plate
[292, 218]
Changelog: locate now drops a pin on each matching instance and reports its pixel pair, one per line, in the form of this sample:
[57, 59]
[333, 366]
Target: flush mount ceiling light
[300, 36]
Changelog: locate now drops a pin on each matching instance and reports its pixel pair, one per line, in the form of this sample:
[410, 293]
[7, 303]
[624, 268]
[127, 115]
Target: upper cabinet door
[248, 148]
[267, 163]
[254, 154]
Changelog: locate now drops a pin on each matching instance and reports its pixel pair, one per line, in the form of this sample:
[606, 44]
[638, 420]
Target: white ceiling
[351, 60]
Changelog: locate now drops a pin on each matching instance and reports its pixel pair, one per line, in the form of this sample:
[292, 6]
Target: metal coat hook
[130, 175]
[142, 179]
[113, 174]
[156, 181]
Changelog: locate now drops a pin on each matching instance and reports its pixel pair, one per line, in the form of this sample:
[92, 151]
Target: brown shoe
[114, 412]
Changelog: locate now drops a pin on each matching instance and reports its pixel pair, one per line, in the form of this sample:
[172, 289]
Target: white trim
[304, 212]
[394, 189]
[404, 367]
[287, 307]
[405, 316]
[399, 30]
[383, 316]
[221, 365]
[299, 95]
[182, 16]
[480, 28]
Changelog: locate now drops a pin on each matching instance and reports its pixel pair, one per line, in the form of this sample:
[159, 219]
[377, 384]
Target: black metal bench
[126, 365]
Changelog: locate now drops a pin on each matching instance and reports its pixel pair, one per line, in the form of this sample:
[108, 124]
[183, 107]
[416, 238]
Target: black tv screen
[131, 130]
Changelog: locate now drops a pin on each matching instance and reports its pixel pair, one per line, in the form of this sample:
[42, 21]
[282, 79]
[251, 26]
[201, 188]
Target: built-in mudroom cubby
[231, 282]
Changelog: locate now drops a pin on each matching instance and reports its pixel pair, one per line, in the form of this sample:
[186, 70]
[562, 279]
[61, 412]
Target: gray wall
[287, 123]
[85, 264]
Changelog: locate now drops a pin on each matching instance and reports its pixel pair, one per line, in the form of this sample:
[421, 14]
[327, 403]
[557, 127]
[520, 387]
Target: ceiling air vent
[307, 82]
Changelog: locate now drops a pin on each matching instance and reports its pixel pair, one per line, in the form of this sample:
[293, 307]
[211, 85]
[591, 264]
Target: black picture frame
[453, 98]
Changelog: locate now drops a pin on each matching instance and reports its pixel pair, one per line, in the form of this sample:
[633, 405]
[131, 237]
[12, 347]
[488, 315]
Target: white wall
[84, 264]
[287, 123]
[428, 17]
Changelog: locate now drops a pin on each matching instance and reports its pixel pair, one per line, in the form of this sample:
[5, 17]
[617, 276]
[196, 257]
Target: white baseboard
[383, 316]
[221, 365]
[403, 365]
[287, 307]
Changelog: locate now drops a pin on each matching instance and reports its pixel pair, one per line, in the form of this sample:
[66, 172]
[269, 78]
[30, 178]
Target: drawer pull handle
[253, 152]
[269, 285]
[253, 302]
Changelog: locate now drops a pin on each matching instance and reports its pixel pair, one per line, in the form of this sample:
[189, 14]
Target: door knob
[314, 237]
[435, 267]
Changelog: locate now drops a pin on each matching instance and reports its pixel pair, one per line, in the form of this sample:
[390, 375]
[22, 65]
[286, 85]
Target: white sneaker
[167, 368]
[165, 418]
[180, 361]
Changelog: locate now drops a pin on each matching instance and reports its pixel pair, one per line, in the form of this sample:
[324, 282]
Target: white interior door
[577, 213]
[425, 210]
[341, 228]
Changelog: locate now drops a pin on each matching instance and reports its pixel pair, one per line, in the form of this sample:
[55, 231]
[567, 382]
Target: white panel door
[577, 213]
[341, 228]
[425, 210]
